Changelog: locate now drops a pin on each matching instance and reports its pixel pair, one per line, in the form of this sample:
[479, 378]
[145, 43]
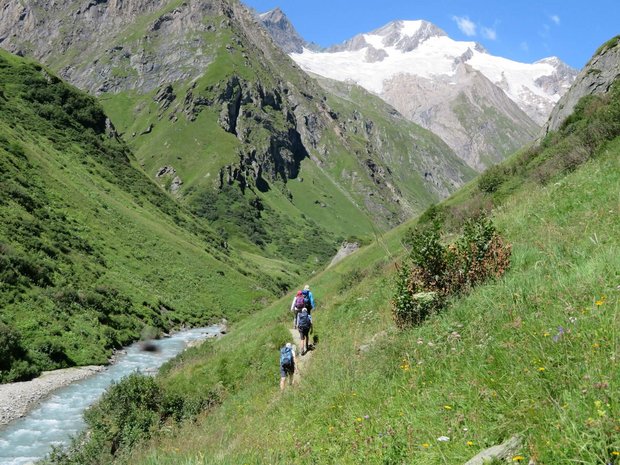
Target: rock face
[467, 111]
[282, 31]
[595, 78]
[91, 33]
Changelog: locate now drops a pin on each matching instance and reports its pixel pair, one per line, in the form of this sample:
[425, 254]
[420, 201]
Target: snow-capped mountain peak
[422, 50]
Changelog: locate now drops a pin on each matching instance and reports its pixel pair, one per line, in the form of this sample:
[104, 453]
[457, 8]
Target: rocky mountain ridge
[595, 78]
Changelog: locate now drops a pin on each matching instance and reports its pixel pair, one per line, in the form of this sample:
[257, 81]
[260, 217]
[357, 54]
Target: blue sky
[522, 30]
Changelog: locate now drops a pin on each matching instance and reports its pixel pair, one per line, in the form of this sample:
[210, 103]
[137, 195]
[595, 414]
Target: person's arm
[311, 300]
[293, 304]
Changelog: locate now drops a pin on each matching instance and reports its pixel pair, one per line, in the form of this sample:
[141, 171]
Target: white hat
[306, 288]
[289, 345]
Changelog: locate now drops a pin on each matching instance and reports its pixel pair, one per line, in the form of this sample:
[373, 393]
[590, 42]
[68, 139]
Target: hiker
[296, 306]
[304, 324]
[308, 298]
[287, 364]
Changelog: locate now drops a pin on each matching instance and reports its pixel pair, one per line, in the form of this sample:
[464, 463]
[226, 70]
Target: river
[59, 417]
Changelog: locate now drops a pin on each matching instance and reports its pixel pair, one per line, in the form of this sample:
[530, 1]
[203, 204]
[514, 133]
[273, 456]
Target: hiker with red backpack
[296, 306]
[303, 299]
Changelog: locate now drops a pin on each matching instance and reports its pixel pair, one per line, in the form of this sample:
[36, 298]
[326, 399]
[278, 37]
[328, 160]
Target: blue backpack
[307, 301]
[303, 320]
[286, 357]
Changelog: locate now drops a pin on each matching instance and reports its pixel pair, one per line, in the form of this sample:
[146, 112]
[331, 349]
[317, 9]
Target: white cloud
[555, 19]
[488, 33]
[466, 25]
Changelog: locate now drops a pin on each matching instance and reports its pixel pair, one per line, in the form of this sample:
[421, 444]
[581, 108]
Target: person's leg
[282, 377]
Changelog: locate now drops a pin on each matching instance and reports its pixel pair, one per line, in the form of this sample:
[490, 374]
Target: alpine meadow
[173, 164]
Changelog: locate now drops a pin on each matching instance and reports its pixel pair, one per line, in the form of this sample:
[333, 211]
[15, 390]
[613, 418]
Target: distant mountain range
[483, 106]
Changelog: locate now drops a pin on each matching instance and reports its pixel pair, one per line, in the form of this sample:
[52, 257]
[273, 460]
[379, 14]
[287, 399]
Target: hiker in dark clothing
[287, 364]
[304, 324]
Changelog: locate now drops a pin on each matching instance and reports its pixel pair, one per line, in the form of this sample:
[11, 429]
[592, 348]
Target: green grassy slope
[91, 250]
[532, 354]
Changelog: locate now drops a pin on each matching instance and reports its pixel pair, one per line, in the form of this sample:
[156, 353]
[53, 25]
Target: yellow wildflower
[447, 407]
[616, 453]
[546, 335]
[470, 443]
[426, 445]
[518, 458]
[541, 369]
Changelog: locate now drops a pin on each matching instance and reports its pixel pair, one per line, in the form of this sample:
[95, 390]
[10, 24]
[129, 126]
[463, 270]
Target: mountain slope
[211, 107]
[417, 68]
[531, 355]
[91, 250]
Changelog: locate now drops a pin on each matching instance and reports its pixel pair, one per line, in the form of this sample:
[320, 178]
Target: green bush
[15, 362]
[434, 272]
[492, 179]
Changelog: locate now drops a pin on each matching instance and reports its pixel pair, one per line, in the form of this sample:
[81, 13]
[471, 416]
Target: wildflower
[518, 458]
[353, 394]
[560, 333]
[443, 438]
[546, 335]
[426, 445]
[358, 419]
[572, 319]
[366, 417]
[596, 345]
[447, 407]
[541, 369]
[600, 301]
[616, 453]
[330, 429]
[470, 443]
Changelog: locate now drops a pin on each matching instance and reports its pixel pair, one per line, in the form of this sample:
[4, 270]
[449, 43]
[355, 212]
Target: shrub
[127, 412]
[491, 179]
[433, 272]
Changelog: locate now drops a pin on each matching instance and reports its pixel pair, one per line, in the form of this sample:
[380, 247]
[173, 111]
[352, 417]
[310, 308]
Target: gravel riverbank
[16, 399]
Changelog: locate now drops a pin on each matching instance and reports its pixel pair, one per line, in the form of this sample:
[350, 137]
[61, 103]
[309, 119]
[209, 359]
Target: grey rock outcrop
[504, 451]
[91, 30]
[595, 78]
[346, 249]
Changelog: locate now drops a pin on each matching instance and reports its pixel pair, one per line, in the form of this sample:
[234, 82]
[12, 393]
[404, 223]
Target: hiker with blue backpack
[304, 324]
[287, 364]
[308, 298]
